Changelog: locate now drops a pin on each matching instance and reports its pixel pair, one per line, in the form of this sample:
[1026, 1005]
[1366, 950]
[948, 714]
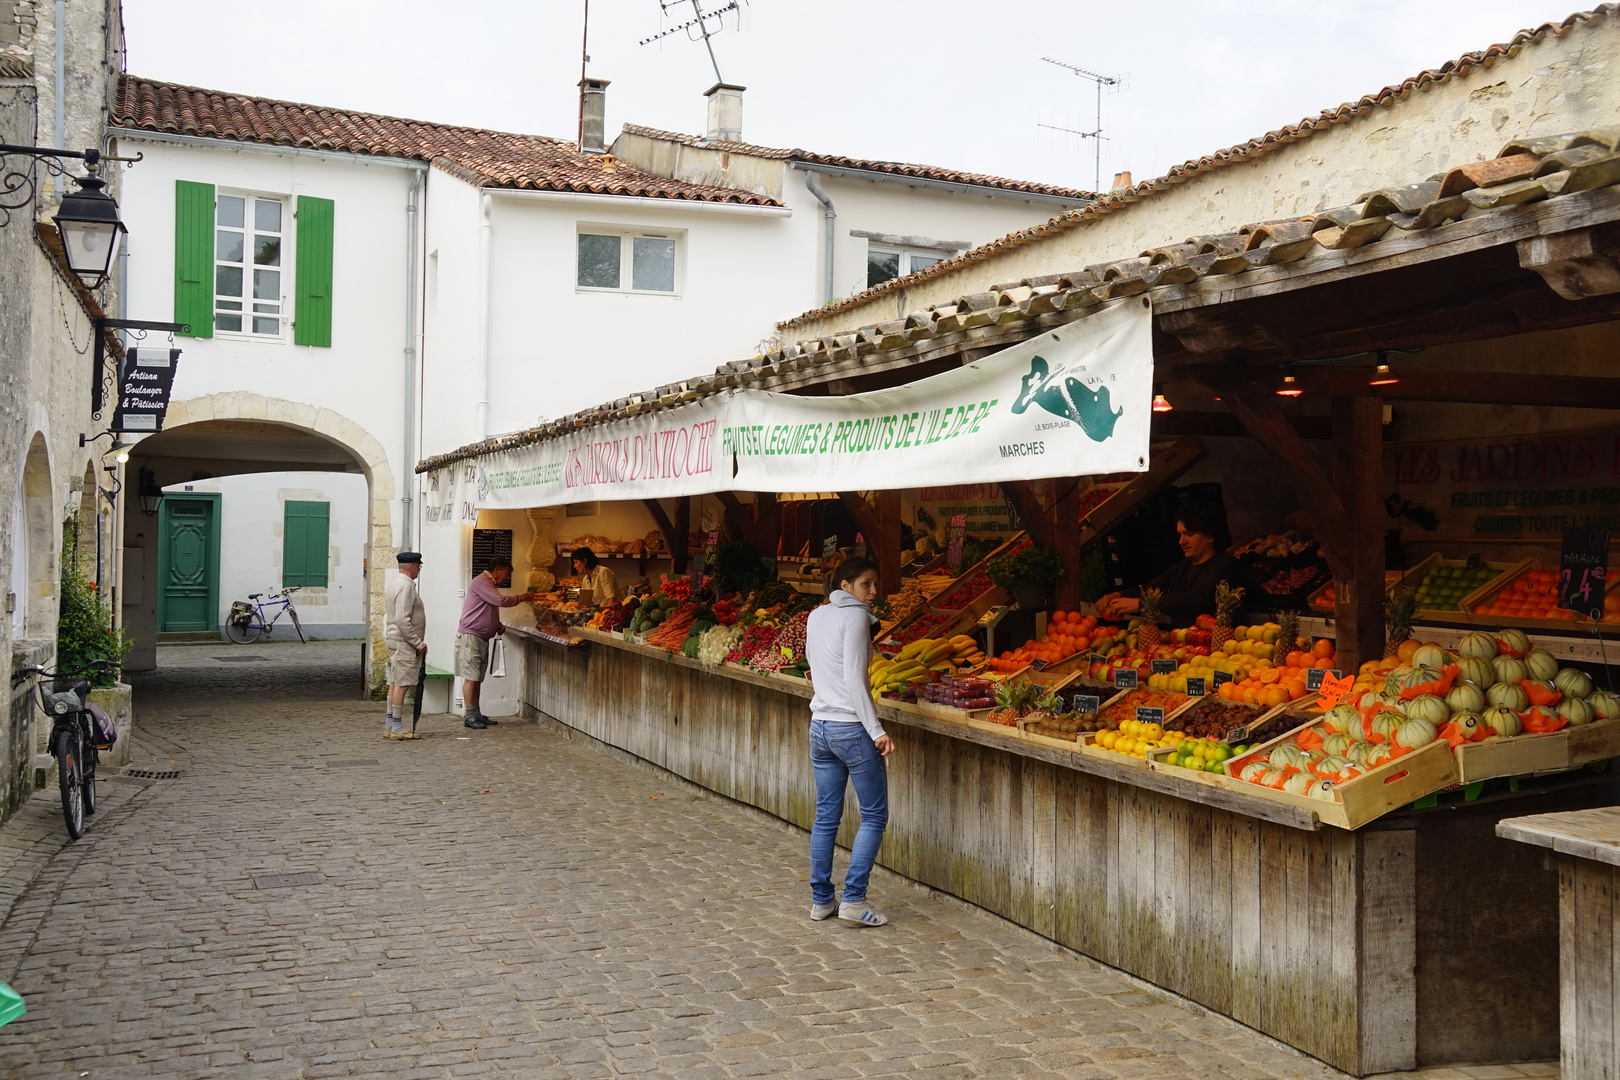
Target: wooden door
[188, 563]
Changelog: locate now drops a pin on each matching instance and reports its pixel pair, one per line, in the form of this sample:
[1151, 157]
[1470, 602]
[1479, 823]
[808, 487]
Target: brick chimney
[592, 107]
[725, 112]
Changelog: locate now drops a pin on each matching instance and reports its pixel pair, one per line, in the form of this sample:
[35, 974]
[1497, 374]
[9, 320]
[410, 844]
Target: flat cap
[409, 556]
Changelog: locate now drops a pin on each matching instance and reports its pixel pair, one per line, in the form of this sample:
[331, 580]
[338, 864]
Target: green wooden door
[188, 563]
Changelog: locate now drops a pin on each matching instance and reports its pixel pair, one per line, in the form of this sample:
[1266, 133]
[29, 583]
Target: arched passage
[34, 548]
[233, 434]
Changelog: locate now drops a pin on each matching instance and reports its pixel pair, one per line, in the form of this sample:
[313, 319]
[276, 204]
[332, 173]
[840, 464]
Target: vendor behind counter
[1189, 585]
[602, 582]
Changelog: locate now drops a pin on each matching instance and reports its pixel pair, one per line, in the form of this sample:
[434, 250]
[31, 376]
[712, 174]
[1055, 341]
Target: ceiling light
[1290, 387]
[1161, 403]
[1382, 375]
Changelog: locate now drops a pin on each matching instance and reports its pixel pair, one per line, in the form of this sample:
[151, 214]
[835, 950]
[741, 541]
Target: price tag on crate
[787, 652]
[1335, 689]
[1165, 667]
[1476, 559]
[953, 548]
[1085, 703]
[1197, 686]
[1219, 678]
[1149, 715]
[1582, 571]
[1098, 658]
[1315, 675]
[1038, 664]
[1125, 679]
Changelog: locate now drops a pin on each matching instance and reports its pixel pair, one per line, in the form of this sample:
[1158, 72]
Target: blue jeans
[840, 753]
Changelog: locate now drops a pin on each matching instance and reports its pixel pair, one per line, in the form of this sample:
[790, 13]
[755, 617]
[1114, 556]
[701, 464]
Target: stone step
[189, 637]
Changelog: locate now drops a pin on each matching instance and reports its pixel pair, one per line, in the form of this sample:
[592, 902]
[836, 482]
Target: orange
[1407, 648]
[1324, 647]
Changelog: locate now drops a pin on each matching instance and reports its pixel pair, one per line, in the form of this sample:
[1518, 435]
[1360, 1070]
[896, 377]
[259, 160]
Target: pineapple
[1147, 635]
[1287, 632]
[1013, 701]
[1399, 607]
[1227, 600]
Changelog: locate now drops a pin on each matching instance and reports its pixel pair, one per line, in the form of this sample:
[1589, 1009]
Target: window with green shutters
[312, 317]
[305, 544]
[194, 257]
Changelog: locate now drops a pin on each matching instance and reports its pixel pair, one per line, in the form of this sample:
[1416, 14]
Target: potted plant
[1027, 574]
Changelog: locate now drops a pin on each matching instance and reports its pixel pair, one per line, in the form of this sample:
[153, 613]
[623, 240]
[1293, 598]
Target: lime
[1215, 766]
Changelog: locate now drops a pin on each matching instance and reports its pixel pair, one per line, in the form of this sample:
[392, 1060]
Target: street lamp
[149, 494]
[88, 222]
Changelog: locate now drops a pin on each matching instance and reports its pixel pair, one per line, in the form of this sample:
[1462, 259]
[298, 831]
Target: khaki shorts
[404, 664]
[472, 657]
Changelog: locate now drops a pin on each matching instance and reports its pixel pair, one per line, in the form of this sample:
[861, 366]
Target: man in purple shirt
[480, 621]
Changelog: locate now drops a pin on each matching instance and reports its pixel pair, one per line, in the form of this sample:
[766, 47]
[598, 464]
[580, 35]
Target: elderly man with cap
[405, 632]
[481, 621]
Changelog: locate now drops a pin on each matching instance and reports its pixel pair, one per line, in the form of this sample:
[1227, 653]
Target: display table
[1356, 947]
[1588, 847]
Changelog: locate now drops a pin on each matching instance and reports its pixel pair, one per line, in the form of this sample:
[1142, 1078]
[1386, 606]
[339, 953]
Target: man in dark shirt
[1189, 585]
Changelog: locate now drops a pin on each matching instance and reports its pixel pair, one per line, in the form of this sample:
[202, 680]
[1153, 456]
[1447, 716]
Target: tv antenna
[699, 26]
[1101, 81]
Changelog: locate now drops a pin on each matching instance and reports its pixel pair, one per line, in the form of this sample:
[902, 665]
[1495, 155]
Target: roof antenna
[1101, 81]
[584, 58]
[699, 27]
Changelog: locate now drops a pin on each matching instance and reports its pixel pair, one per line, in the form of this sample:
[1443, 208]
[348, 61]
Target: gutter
[750, 209]
[268, 148]
[832, 222]
[485, 242]
[942, 185]
[418, 179]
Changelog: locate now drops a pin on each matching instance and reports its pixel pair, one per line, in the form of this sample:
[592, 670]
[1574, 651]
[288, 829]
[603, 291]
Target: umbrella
[421, 681]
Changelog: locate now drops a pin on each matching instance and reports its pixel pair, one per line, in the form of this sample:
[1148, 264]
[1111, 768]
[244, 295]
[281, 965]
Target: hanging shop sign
[1073, 401]
[144, 384]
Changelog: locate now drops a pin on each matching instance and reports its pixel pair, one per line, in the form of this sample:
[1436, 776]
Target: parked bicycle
[80, 730]
[249, 620]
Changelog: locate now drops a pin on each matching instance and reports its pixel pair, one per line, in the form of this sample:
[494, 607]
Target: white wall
[251, 510]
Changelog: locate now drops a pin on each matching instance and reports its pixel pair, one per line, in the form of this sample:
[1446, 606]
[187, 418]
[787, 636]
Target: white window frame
[906, 255]
[288, 263]
[627, 238]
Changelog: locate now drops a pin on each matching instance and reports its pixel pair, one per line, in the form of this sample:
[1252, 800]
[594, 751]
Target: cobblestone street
[505, 902]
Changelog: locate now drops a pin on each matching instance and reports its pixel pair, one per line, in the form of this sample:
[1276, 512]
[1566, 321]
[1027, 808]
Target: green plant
[84, 627]
[738, 567]
[1034, 565]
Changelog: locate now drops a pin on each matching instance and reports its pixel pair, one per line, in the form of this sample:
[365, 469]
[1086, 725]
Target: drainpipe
[116, 562]
[60, 128]
[832, 222]
[484, 244]
[408, 462]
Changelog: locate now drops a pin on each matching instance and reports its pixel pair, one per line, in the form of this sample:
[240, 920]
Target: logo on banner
[1068, 398]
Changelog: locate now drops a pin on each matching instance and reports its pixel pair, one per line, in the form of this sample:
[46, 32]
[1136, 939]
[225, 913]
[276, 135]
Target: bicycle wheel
[68, 769]
[90, 758]
[245, 631]
[298, 626]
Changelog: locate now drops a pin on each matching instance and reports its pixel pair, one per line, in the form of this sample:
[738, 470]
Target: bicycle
[78, 734]
[247, 622]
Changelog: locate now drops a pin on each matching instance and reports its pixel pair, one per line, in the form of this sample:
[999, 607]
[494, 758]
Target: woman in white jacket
[847, 744]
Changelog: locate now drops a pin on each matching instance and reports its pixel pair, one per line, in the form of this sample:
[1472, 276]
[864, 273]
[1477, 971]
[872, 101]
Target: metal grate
[283, 881]
[153, 774]
[355, 763]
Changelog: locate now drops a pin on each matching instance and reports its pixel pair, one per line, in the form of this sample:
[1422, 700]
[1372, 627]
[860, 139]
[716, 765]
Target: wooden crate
[1530, 755]
[962, 574]
[1487, 592]
[1504, 572]
[1198, 704]
[1373, 794]
[1317, 603]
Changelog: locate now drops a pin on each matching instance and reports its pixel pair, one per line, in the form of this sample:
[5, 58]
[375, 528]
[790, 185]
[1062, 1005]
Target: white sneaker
[861, 914]
[821, 912]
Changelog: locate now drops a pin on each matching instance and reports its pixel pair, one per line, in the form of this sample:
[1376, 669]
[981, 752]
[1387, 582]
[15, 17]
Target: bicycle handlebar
[59, 673]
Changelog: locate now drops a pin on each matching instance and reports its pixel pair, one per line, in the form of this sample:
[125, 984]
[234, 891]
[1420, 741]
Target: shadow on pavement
[194, 674]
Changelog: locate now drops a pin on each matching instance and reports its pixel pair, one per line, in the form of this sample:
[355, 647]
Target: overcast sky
[942, 82]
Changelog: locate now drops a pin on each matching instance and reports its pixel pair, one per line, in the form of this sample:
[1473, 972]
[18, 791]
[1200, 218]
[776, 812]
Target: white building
[367, 291]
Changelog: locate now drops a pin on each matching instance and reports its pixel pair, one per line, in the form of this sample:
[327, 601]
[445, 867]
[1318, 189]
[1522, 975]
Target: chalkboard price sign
[487, 546]
[1098, 658]
[1147, 715]
[1125, 679]
[1219, 678]
[1313, 677]
[1085, 703]
[1165, 667]
[1038, 664]
[953, 549]
[1197, 686]
[1582, 571]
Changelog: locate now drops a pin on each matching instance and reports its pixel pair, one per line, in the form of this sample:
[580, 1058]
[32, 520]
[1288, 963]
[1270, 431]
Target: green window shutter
[194, 256]
[312, 317]
[305, 541]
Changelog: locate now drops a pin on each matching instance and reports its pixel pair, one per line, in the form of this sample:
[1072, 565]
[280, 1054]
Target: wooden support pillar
[679, 550]
[1358, 477]
[1027, 501]
[739, 518]
[767, 524]
[1066, 534]
[885, 546]
[865, 517]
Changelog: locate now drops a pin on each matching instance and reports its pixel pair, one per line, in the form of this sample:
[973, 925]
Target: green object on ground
[11, 1004]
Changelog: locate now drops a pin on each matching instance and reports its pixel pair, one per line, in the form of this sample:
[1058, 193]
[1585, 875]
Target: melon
[1432, 656]
[1510, 694]
[1575, 711]
[1253, 771]
[1336, 744]
[1574, 682]
[1605, 706]
[1377, 756]
[1415, 732]
[1368, 700]
[1502, 720]
[1386, 722]
[1430, 708]
[1340, 718]
[1358, 752]
[1478, 646]
[1331, 765]
[1272, 778]
[1470, 726]
[1299, 783]
[1513, 641]
[1321, 789]
[1288, 754]
[1477, 671]
[1541, 664]
[1465, 697]
[1396, 680]
[1509, 669]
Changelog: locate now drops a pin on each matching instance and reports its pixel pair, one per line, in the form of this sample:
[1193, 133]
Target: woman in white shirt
[602, 582]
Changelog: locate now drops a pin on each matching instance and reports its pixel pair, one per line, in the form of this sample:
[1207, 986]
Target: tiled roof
[1429, 213]
[1272, 140]
[895, 168]
[16, 67]
[480, 157]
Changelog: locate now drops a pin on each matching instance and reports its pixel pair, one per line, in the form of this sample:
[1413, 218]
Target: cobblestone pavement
[506, 902]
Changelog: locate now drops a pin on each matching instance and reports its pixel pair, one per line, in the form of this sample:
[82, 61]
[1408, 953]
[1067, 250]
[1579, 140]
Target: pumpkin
[1340, 718]
[1464, 697]
[1510, 694]
[1430, 708]
[1575, 711]
[1574, 682]
[1477, 646]
[1336, 744]
[1502, 720]
[1509, 669]
[1299, 783]
[1605, 706]
[1415, 732]
[1321, 789]
[1541, 664]
[1431, 656]
[1254, 771]
[1512, 642]
[1478, 671]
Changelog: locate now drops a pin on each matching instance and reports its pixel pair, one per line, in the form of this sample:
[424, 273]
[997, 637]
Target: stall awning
[1073, 401]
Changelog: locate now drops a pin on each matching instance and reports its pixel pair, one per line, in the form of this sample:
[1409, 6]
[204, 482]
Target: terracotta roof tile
[894, 168]
[480, 157]
[1272, 140]
[16, 67]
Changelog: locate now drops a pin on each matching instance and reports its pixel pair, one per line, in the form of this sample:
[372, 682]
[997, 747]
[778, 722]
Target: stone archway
[35, 547]
[218, 418]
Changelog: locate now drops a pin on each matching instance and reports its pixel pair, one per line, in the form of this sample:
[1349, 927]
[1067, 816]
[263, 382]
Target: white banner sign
[1075, 401]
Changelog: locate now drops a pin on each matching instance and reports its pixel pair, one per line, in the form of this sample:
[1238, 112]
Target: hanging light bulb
[1161, 403]
[1382, 375]
[1290, 387]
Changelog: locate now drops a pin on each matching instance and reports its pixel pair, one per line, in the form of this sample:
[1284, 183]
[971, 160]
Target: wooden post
[680, 550]
[885, 546]
[739, 519]
[1358, 478]
[1027, 501]
[1066, 534]
[866, 519]
[767, 524]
